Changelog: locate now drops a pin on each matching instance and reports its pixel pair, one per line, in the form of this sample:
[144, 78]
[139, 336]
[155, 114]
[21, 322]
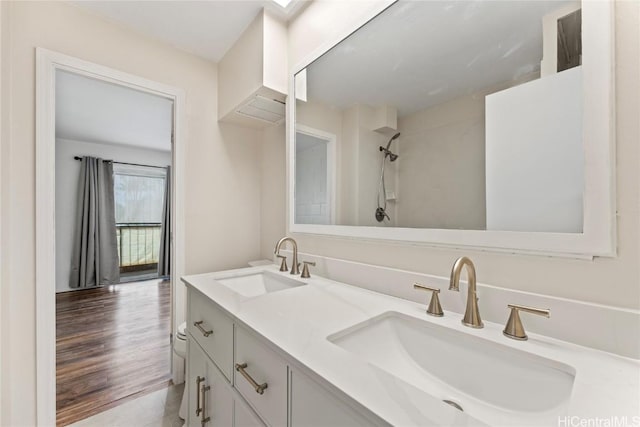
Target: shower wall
[441, 170]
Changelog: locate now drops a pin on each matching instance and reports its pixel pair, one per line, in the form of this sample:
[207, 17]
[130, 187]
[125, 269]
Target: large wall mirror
[465, 123]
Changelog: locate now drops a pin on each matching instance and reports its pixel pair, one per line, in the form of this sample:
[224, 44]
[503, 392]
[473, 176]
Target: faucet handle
[305, 269]
[514, 328]
[435, 309]
[283, 263]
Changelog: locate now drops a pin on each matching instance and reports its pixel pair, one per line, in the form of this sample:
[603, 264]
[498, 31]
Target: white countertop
[297, 321]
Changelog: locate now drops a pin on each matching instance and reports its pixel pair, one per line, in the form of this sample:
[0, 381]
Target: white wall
[367, 165]
[347, 168]
[324, 118]
[241, 68]
[272, 189]
[275, 65]
[67, 175]
[609, 281]
[222, 180]
[535, 156]
[4, 121]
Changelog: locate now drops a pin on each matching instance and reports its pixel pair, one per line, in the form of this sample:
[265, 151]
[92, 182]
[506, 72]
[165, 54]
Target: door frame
[47, 63]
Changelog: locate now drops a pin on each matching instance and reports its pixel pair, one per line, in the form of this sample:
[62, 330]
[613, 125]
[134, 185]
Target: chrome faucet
[472, 313]
[295, 269]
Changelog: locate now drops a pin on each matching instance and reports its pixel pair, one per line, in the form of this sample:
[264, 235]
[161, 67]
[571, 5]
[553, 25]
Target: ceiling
[91, 110]
[418, 54]
[204, 28]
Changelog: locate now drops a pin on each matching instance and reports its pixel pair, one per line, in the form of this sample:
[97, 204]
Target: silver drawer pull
[201, 329]
[204, 420]
[258, 387]
[199, 379]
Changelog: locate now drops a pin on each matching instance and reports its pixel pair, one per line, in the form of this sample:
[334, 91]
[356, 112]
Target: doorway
[113, 161]
[169, 297]
[315, 176]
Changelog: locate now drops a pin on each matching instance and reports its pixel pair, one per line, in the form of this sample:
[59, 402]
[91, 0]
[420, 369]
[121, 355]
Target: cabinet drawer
[243, 415]
[263, 366]
[213, 330]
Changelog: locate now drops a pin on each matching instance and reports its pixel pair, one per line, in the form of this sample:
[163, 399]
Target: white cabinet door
[196, 370]
[243, 416]
[210, 396]
[314, 406]
[217, 399]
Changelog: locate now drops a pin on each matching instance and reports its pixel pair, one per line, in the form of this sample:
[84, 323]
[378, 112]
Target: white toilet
[180, 349]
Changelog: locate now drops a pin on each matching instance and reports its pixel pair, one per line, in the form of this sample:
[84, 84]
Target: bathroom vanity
[269, 348]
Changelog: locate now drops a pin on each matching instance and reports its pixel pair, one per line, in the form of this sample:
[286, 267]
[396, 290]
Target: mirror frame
[599, 219]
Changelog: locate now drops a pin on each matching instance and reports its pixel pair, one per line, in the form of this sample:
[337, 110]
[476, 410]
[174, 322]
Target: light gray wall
[441, 174]
[67, 175]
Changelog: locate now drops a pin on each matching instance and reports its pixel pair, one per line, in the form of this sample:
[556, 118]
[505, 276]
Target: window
[139, 200]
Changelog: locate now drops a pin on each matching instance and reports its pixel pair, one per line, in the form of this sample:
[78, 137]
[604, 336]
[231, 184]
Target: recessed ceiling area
[91, 110]
[204, 28]
[418, 54]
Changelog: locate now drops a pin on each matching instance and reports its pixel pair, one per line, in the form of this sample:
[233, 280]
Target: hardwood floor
[112, 345]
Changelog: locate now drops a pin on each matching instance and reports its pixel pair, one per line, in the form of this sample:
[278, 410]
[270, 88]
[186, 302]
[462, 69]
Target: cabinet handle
[259, 388]
[204, 420]
[198, 325]
[199, 379]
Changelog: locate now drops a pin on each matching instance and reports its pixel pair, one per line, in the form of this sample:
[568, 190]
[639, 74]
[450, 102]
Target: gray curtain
[94, 261]
[164, 258]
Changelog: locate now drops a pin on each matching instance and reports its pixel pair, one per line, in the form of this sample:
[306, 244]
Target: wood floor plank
[112, 345]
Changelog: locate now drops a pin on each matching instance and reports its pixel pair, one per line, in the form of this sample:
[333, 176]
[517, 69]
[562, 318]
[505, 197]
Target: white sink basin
[493, 383]
[255, 284]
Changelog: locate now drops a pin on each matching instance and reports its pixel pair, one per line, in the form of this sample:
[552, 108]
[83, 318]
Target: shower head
[394, 137]
[387, 152]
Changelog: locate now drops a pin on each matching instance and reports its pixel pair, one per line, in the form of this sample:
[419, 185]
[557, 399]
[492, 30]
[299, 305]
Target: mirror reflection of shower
[381, 210]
